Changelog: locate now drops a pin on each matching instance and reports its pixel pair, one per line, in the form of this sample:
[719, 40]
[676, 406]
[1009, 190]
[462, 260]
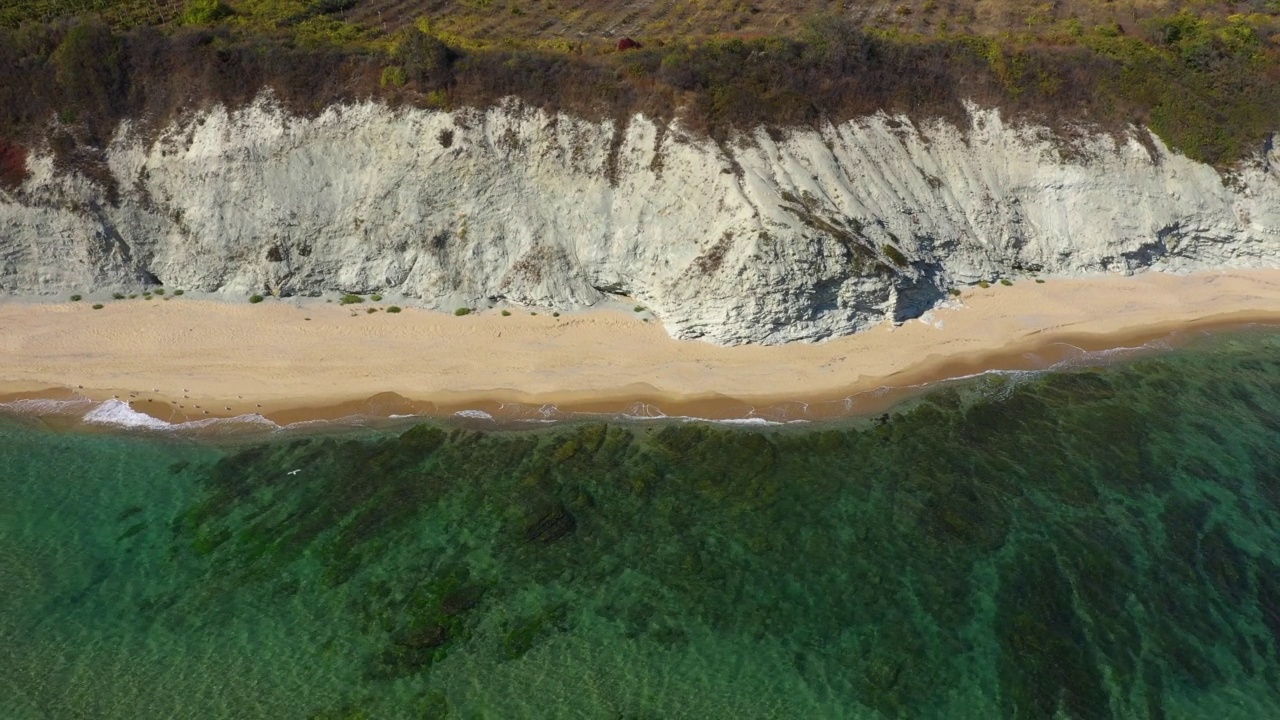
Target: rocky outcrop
[777, 236]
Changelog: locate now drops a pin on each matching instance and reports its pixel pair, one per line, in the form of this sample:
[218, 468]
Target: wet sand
[191, 359]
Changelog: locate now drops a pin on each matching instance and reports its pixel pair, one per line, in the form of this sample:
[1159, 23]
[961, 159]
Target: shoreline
[191, 360]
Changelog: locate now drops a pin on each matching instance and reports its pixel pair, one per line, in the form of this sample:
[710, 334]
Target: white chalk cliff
[777, 236]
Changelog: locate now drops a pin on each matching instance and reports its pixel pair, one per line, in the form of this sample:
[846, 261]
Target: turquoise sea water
[1090, 543]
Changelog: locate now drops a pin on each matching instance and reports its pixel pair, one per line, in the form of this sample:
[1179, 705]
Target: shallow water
[1097, 542]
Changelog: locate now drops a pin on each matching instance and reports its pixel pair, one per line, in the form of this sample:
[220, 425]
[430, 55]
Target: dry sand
[189, 358]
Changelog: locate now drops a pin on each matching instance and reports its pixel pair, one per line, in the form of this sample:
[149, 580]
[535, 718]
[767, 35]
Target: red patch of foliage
[13, 165]
[627, 43]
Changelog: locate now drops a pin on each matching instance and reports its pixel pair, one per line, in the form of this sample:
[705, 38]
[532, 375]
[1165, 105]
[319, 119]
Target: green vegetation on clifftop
[1205, 80]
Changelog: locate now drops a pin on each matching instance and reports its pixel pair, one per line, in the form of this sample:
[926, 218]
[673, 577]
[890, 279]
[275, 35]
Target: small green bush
[376, 298]
[462, 311]
[75, 298]
[984, 284]
[158, 291]
[639, 308]
[393, 309]
[350, 299]
[133, 296]
[204, 12]
[178, 292]
[896, 256]
[555, 314]
[393, 76]
[371, 311]
[532, 313]
[1040, 280]
[147, 296]
[506, 313]
[1006, 282]
[97, 306]
[954, 292]
[255, 298]
[117, 296]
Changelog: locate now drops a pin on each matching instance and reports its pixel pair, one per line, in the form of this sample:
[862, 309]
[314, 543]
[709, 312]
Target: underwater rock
[1047, 664]
[462, 599]
[552, 523]
[432, 636]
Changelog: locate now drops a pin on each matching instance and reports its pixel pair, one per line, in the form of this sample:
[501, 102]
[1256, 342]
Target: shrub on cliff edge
[13, 165]
[205, 12]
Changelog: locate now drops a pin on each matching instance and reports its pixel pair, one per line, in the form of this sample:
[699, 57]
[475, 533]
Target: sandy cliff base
[185, 359]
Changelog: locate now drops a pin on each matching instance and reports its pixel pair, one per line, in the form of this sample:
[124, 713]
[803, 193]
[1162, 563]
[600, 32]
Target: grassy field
[590, 21]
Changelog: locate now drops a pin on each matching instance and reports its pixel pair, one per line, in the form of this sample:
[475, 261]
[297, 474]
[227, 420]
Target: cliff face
[779, 236]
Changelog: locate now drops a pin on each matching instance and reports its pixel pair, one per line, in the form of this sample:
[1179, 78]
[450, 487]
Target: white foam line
[118, 413]
[746, 421]
[46, 406]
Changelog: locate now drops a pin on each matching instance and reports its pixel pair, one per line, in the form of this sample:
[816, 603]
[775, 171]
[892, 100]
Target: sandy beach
[185, 358]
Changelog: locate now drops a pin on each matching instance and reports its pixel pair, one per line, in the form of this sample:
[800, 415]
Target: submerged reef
[1097, 543]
